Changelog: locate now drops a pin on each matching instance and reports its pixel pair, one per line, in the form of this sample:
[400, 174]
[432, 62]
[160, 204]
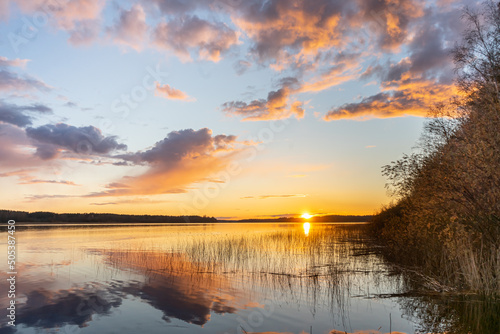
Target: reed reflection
[195, 274]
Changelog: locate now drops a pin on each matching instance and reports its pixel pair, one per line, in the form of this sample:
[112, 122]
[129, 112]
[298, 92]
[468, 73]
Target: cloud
[13, 140]
[187, 34]
[368, 331]
[391, 20]
[171, 93]
[11, 81]
[141, 200]
[416, 82]
[303, 332]
[84, 32]
[321, 44]
[412, 99]
[299, 26]
[14, 114]
[33, 198]
[38, 181]
[51, 139]
[5, 62]
[346, 68]
[4, 10]
[66, 13]
[276, 106]
[297, 109]
[80, 18]
[274, 196]
[242, 66]
[24, 176]
[20, 173]
[327, 44]
[130, 29]
[179, 160]
[428, 53]
[178, 6]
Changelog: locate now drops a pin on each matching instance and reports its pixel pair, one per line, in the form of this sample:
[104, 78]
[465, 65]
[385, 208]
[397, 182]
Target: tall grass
[327, 268]
[324, 267]
[446, 221]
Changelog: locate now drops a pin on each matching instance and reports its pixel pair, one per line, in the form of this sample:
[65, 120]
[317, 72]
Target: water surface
[220, 278]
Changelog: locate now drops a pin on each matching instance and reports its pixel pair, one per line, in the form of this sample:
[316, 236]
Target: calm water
[221, 278]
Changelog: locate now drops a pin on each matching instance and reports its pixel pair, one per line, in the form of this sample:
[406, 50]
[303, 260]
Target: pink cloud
[187, 34]
[6, 62]
[179, 160]
[130, 29]
[171, 93]
[80, 18]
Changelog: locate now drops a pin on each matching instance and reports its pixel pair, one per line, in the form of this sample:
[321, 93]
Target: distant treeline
[318, 219]
[51, 217]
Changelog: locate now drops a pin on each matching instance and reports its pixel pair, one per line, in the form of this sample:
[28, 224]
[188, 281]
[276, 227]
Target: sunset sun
[157, 158]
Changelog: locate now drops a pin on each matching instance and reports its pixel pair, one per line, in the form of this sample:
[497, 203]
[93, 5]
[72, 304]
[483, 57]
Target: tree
[448, 190]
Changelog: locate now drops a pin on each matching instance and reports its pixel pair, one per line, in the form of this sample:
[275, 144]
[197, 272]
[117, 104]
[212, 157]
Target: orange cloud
[181, 159]
[304, 37]
[342, 72]
[407, 99]
[276, 106]
[412, 85]
[274, 196]
[297, 25]
[391, 20]
[24, 176]
[171, 93]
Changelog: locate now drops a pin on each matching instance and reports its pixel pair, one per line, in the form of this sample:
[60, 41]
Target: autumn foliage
[446, 220]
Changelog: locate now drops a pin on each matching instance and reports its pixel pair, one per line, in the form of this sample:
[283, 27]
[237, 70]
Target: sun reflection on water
[307, 227]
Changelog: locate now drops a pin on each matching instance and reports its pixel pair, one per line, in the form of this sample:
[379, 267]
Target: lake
[223, 278]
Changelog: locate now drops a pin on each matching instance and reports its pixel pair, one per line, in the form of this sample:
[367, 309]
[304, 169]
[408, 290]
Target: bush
[448, 211]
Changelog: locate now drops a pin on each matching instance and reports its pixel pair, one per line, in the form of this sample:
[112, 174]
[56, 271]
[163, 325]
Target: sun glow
[307, 227]
[306, 216]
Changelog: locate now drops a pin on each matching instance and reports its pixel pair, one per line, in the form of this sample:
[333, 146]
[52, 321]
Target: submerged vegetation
[446, 221]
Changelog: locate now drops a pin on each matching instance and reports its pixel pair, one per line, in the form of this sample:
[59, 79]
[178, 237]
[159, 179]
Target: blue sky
[227, 108]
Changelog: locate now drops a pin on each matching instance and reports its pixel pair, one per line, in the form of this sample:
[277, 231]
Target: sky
[225, 108]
